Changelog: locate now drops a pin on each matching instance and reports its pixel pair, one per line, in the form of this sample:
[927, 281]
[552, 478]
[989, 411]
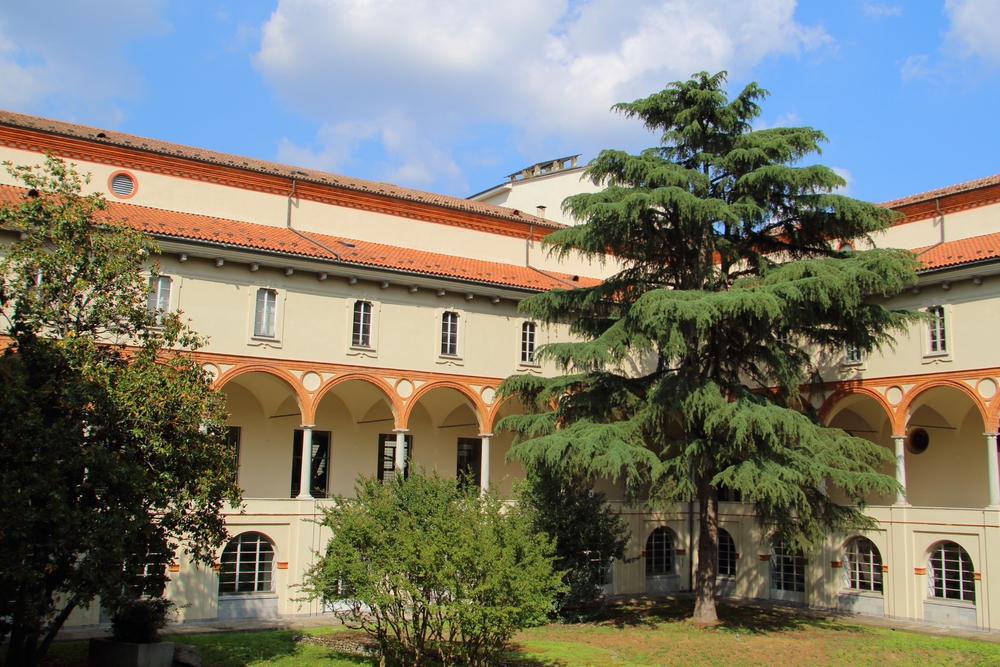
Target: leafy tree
[690, 362]
[434, 569]
[588, 534]
[112, 440]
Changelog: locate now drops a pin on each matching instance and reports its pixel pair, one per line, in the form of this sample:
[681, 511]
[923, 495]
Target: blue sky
[452, 95]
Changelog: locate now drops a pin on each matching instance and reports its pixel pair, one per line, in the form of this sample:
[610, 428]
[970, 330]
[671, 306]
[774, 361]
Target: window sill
[247, 596]
[449, 357]
[362, 348]
[936, 357]
[946, 602]
[266, 339]
[528, 364]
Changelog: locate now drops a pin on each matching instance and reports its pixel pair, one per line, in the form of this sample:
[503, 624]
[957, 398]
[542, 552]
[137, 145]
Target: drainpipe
[288, 225]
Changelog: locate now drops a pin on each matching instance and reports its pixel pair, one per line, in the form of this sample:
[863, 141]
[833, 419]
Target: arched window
[247, 565]
[449, 334]
[528, 343]
[727, 554]
[660, 552]
[862, 566]
[361, 332]
[949, 573]
[788, 570]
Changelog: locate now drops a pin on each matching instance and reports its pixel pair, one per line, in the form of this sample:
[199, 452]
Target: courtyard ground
[633, 634]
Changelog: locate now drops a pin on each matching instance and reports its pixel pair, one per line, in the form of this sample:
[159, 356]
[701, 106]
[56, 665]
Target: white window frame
[938, 336]
[532, 360]
[941, 562]
[280, 297]
[862, 566]
[731, 555]
[156, 302]
[668, 544]
[259, 565]
[265, 315]
[361, 324]
[853, 356]
[352, 350]
[457, 359]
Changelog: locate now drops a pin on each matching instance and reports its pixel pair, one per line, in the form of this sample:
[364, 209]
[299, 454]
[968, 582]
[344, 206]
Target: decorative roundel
[122, 184]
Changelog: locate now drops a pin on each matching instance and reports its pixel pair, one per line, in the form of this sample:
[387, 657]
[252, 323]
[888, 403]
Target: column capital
[485, 435]
[400, 430]
[990, 435]
[309, 426]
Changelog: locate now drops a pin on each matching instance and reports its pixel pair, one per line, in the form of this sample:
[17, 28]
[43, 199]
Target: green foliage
[434, 569]
[588, 534]
[690, 364]
[112, 441]
[138, 620]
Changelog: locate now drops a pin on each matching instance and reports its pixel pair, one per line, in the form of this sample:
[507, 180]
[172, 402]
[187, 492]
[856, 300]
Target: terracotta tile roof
[134, 142]
[943, 192]
[175, 225]
[964, 251]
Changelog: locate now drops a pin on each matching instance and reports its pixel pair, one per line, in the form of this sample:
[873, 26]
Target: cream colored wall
[315, 317]
[203, 198]
[549, 190]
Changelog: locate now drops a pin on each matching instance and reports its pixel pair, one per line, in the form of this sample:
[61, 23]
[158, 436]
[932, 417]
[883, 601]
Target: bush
[589, 535]
[434, 570]
[139, 620]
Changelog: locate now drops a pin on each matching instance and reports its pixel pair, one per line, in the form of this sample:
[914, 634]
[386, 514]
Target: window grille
[862, 566]
[726, 495]
[781, 337]
[788, 569]
[528, 343]
[449, 334]
[362, 335]
[158, 301]
[319, 466]
[949, 573]
[469, 453]
[937, 339]
[247, 565]
[660, 552]
[267, 302]
[727, 554]
[387, 456]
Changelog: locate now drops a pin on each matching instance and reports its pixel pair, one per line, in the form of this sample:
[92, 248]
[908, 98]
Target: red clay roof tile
[176, 225]
[963, 251]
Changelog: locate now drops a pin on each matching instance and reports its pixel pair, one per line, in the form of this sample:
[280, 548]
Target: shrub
[588, 534]
[433, 569]
[139, 620]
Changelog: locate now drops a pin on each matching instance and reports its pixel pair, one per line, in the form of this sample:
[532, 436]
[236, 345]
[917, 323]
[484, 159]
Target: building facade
[360, 328]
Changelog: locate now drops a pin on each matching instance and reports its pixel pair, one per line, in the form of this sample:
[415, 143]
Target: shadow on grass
[750, 618]
[237, 649]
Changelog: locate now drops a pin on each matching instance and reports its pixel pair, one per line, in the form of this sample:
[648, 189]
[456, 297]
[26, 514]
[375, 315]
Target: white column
[399, 461]
[900, 441]
[994, 469]
[484, 461]
[305, 478]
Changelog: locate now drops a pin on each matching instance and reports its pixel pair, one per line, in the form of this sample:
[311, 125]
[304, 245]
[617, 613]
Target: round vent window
[122, 184]
[919, 440]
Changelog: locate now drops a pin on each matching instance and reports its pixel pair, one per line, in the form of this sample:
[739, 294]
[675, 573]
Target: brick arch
[477, 402]
[301, 395]
[840, 394]
[994, 414]
[395, 403]
[917, 391]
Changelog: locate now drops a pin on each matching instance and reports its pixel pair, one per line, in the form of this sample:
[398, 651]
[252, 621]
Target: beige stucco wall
[548, 190]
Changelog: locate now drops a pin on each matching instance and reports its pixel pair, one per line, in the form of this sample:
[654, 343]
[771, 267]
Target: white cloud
[543, 67]
[916, 67]
[67, 57]
[975, 28]
[879, 10]
[846, 175]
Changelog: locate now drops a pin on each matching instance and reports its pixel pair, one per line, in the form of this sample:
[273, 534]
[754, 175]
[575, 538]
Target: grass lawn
[630, 636]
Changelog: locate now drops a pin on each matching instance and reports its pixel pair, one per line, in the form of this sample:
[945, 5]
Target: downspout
[288, 226]
[527, 258]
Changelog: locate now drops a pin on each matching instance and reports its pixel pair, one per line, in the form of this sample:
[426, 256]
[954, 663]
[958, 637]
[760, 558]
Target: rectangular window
[936, 340]
[469, 453]
[362, 332]
[528, 343]
[852, 354]
[264, 318]
[449, 334]
[387, 456]
[320, 467]
[233, 436]
[158, 301]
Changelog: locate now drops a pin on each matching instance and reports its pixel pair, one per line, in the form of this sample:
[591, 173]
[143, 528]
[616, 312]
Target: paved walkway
[176, 631]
